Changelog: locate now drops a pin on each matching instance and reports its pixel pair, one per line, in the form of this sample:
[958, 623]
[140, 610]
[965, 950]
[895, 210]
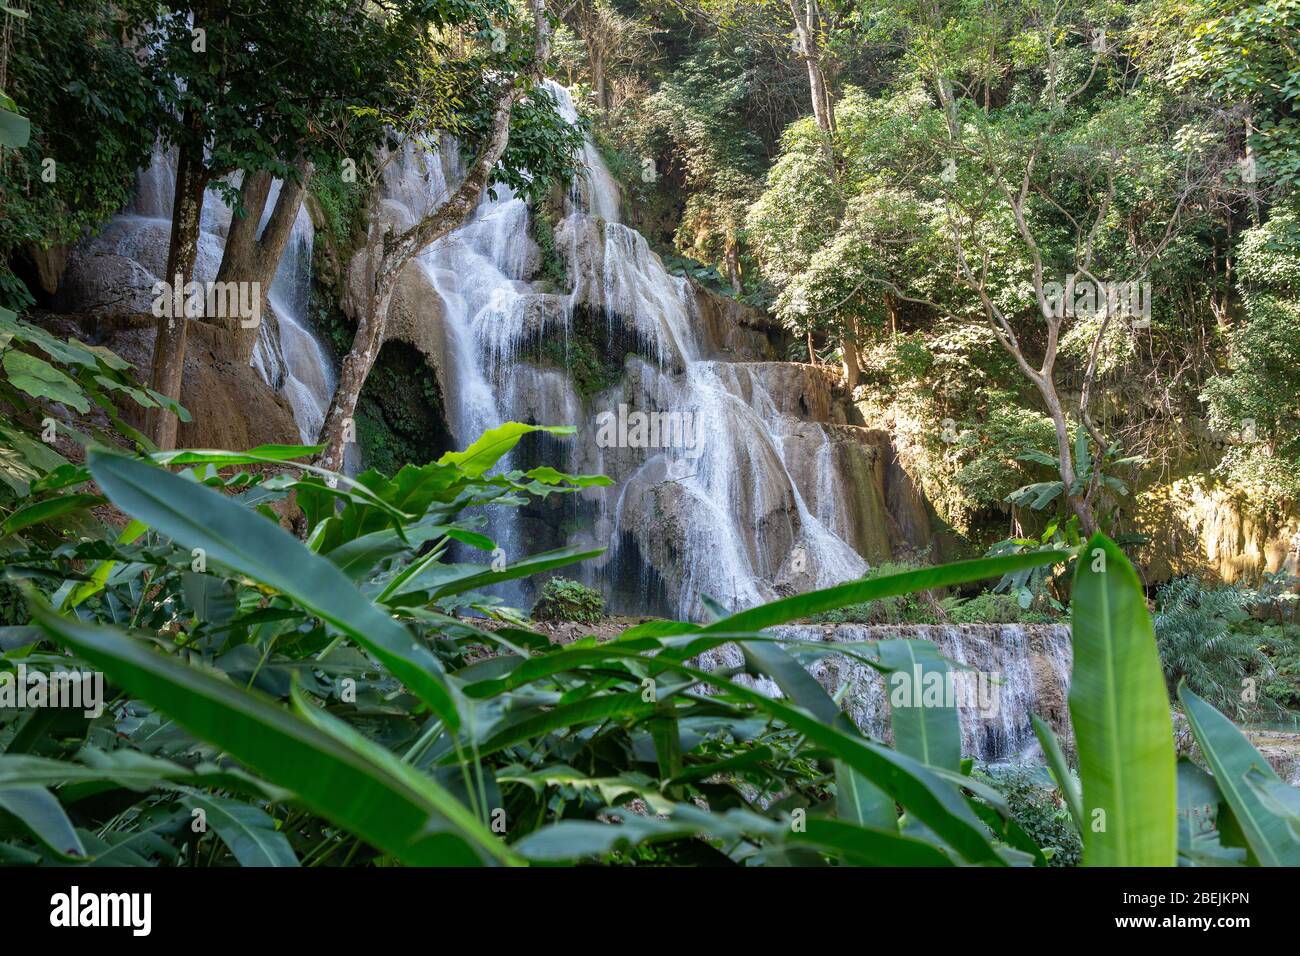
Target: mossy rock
[563, 599]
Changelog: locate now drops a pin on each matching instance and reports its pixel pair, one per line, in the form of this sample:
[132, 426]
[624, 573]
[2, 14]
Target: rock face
[1194, 525]
[1016, 671]
[229, 403]
[230, 406]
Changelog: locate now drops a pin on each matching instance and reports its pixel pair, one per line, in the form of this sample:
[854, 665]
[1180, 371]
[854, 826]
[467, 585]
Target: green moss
[592, 354]
[552, 269]
[563, 599]
[400, 416]
[344, 206]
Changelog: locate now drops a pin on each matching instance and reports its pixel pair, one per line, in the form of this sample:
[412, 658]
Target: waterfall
[1030, 666]
[737, 522]
[287, 356]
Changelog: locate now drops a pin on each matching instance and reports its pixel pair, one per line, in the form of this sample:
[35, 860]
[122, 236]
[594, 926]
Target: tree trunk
[849, 350]
[387, 254]
[354, 370]
[733, 266]
[253, 259]
[597, 59]
[169, 346]
[1079, 504]
[807, 27]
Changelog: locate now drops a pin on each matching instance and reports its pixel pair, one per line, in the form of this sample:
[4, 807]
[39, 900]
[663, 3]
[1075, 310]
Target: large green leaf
[857, 800]
[248, 832]
[15, 130]
[578, 839]
[933, 801]
[1060, 770]
[473, 580]
[494, 444]
[404, 813]
[873, 589]
[41, 815]
[927, 731]
[1199, 800]
[46, 510]
[195, 516]
[40, 379]
[1231, 757]
[1119, 709]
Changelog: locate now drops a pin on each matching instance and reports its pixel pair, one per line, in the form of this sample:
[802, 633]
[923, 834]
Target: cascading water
[287, 355]
[1026, 671]
[304, 375]
[742, 522]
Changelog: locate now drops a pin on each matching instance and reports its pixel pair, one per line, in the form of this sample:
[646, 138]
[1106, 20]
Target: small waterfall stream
[287, 355]
[1027, 671]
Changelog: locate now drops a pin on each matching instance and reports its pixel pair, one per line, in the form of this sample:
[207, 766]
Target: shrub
[563, 599]
[918, 608]
[1037, 806]
[1200, 642]
[990, 608]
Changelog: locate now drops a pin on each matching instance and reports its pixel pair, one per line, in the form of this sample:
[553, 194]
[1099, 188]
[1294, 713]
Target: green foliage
[901, 609]
[91, 112]
[1202, 645]
[294, 675]
[1040, 810]
[400, 416]
[553, 269]
[563, 599]
[1234, 51]
[1120, 714]
[1255, 400]
[344, 206]
[992, 608]
[56, 395]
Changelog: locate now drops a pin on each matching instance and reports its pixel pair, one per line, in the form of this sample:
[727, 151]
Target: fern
[1195, 630]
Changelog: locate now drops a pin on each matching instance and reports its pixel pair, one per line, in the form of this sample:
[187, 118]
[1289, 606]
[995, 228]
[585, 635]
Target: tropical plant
[563, 599]
[1201, 646]
[56, 398]
[281, 702]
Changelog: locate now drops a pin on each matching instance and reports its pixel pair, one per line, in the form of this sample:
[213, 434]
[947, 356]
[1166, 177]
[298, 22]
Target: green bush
[563, 599]
[1037, 806]
[905, 609]
[1204, 640]
[991, 608]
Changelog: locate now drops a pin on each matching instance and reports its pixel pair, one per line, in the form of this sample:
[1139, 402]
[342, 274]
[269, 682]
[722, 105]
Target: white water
[287, 355]
[1001, 730]
[731, 546]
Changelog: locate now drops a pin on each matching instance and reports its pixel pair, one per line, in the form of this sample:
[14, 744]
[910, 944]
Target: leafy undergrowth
[270, 700]
[986, 607]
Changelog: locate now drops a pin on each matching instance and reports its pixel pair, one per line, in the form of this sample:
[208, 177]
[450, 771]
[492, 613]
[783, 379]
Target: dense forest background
[963, 155]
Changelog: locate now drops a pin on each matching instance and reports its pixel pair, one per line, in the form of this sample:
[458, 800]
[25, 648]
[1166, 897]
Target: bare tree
[251, 258]
[386, 252]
